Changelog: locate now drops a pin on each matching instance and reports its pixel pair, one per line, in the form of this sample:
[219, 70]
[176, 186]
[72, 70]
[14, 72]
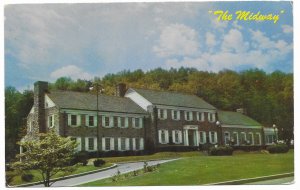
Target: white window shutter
[192, 115]
[133, 144]
[180, 136]
[119, 122]
[213, 117]
[86, 143]
[202, 116]
[216, 137]
[210, 140]
[159, 136]
[95, 144]
[127, 145]
[204, 136]
[185, 115]
[112, 144]
[198, 116]
[78, 118]
[86, 120]
[165, 113]
[141, 143]
[167, 136]
[172, 114]
[173, 136]
[103, 144]
[95, 121]
[119, 143]
[126, 122]
[158, 113]
[133, 122]
[69, 119]
[111, 121]
[78, 140]
[103, 121]
[178, 114]
[141, 123]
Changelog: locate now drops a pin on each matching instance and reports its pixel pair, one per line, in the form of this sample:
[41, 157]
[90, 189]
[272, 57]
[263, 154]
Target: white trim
[215, 137]
[49, 102]
[141, 144]
[87, 120]
[102, 113]
[51, 119]
[127, 144]
[178, 114]
[112, 144]
[237, 138]
[181, 108]
[202, 137]
[241, 126]
[133, 143]
[166, 133]
[226, 143]
[178, 132]
[78, 120]
[252, 137]
[190, 113]
[243, 134]
[119, 144]
[87, 144]
[137, 98]
[259, 138]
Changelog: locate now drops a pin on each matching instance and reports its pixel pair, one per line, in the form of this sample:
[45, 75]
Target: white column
[186, 137]
[197, 137]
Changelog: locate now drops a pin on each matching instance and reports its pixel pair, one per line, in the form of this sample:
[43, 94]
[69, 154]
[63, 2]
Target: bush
[221, 151]
[278, 148]
[81, 157]
[27, 177]
[99, 162]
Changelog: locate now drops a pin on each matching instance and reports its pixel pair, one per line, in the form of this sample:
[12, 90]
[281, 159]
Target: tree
[48, 155]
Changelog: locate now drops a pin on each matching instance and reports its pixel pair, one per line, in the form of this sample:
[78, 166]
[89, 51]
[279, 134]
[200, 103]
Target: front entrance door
[191, 137]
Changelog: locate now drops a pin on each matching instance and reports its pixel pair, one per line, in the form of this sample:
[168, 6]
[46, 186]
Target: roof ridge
[174, 92]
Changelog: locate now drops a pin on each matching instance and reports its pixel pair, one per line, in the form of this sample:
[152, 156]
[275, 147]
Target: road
[280, 181]
[123, 168]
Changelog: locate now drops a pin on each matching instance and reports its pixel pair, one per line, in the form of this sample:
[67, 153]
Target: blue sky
[47, 41]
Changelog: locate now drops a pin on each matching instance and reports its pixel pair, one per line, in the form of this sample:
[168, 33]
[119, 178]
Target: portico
[191, 135]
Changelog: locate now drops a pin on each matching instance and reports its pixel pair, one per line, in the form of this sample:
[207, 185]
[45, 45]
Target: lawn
[199, 170]
[37, 176]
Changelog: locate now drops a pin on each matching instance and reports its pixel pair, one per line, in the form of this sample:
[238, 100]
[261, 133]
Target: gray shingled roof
[86, 101]
[174, 99]
[235, 118]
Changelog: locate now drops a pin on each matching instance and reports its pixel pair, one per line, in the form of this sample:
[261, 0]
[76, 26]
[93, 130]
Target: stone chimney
[120, 89]
[241, 110]
[40, 87]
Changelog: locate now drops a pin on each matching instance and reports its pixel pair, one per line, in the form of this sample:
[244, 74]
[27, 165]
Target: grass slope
[208, 169]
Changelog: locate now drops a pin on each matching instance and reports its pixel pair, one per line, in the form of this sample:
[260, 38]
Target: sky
[48, 41]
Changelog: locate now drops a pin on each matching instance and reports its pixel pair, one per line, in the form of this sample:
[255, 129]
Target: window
[235, 138]
[78, 140]
[135, 144]
[250, 137]
[243, 138]
[211, 117]
[202, 137]
[123, 141]
[51, 121]
[91, 120]
[175, 114]
[270, 139]
[257, 139]
[108, 121]
[163, 136]
[137, 122]
[123, 122]
[108, 144]
[177, 136]
[91, 143]
[162, 113]
[227, 138]
[74, 120]
[188, 115]
[200, 116]
[213, 137]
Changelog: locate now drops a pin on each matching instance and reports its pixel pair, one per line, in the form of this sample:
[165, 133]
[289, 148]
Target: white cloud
[287, 29]
[210, 39]
[71, 71]
[233, 40]
[177, 40]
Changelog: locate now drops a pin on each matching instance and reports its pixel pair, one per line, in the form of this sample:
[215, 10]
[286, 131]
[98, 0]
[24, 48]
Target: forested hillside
[267, 97]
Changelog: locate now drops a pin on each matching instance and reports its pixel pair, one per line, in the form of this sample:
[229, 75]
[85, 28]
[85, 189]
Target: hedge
[221, 151]
[278, 148]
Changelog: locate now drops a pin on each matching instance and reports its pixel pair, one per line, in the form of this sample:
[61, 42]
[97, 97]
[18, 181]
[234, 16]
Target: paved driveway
[123, 168]
[280, 181]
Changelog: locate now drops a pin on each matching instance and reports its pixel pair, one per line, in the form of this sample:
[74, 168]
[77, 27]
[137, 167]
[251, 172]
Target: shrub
[81, 157]
[27, 177]
[99, 162]
[278, 148]
[221, 151]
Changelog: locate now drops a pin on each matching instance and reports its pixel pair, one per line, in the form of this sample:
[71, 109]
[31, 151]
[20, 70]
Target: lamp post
[98, 90]
[275, 132]
[218, 123]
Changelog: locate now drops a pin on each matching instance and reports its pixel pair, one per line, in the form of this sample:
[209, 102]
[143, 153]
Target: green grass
[156, 156]
[199, 170]
[17, 180]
